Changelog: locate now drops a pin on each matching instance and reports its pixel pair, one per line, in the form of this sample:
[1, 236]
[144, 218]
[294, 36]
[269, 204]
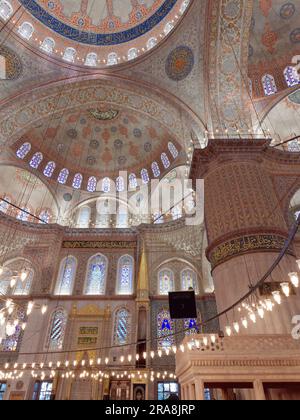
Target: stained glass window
[133, 181]
[188, 280]
[4, 286]
[6, 9]
[77, 181]
[92, 184]
[291, 76]
[23, 215]
[269, 85]
[36, 160]
[91, 59]
[122, 220]
[4, 205]
[26, 30]
[125, 275]
[96, 275]
[120, 184]
[121, 327]
[166, 281]
[158, 218]
[11, 343]
[106, 185]
[145, 176]
[44, 216]
[176, 212]
[173, 150]
[57, 329]
[190, 326]
[165, 160]
[48, 45]
[70, 55]
[49, 169]
[294, 146]
[165, 327]
[155, 169]
[23, 151]
[22, 288]
[63, 176]
[67, 272]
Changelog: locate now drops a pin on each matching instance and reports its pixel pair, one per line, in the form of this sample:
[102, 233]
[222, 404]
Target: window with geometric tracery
[155, 169]
[4, 204]
[58, 324]
[36, 160]
[44, 217]
[173, 150]
[23, 151]
[294, 146]
[133, 181]
[77, 181]
[269, 85]
[145, 176]
[121, 327]
[165, 281]
[165, 160]
[10, 343]
[106, 185]
[6, 9]
[23, 214]
[95, 283]
[291, 76]
[92, 184]
[125, 275]
[189, 280]
[66, 276]
[49, 169]
[63, 176]
[165, 329]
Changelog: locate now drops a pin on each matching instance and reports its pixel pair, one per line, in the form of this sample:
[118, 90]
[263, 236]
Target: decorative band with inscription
[98, 244]
[245, 244]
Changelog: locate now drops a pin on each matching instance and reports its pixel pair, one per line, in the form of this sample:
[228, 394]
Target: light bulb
[294, 279]
[236, 327]
[298, 262]
[213, 338]
[285, 289]
[1, 269]
[10, 329]
[13, 282]
[24, 326]
[29, 307]
[261, 312]
[228, 331]
[44, 309]
[277, 296]
[252, 316]
[205, 341]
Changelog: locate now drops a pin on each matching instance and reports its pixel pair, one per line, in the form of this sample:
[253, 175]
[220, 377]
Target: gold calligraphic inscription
[100, 115]
[88, 331]
[98, 244]
[87, 341]
[246, 244]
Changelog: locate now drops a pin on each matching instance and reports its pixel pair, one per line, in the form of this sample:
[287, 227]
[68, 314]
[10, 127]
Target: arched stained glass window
[36, 160]
[125, 275]
[95, 283]
[155, 169]
[66, 276]
[49, 169]
[23, 215]
[92, 184]
[6, 9]
[269, 85]
[151, 43]
[58, 324]
[11, 343]
[294, 146]
[91, 59]
[165, 281]
[48, 45]
[121, 327]
[189, 280]
[106, 185]
[173, 150]
[22, 288]
[77, 181]
[291, 76]
[4, 204]
[63, 176]
[26, 30]
[133, 182]
[145, 176]
[165, 160]
[112, 59]
[23, 151]
[44, 216]
[70, 55]
[132, 54]
[190, 326]
[120, 184]
[165, 329]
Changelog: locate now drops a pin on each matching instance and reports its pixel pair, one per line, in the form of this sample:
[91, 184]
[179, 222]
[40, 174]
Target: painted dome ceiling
[112, 31]
[101, 142]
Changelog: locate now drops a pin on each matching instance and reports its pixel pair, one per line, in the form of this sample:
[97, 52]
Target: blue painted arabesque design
[93, 38]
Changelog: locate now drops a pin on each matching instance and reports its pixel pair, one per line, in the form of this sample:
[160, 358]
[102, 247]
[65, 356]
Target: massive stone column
[245, 224]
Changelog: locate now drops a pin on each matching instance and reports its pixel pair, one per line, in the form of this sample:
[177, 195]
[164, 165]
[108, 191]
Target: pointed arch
[66, 276]
[125, 275]
[165, 281]
[122, 324]
[96, 275]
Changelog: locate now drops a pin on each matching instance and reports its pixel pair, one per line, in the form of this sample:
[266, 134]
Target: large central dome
[116, 30]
